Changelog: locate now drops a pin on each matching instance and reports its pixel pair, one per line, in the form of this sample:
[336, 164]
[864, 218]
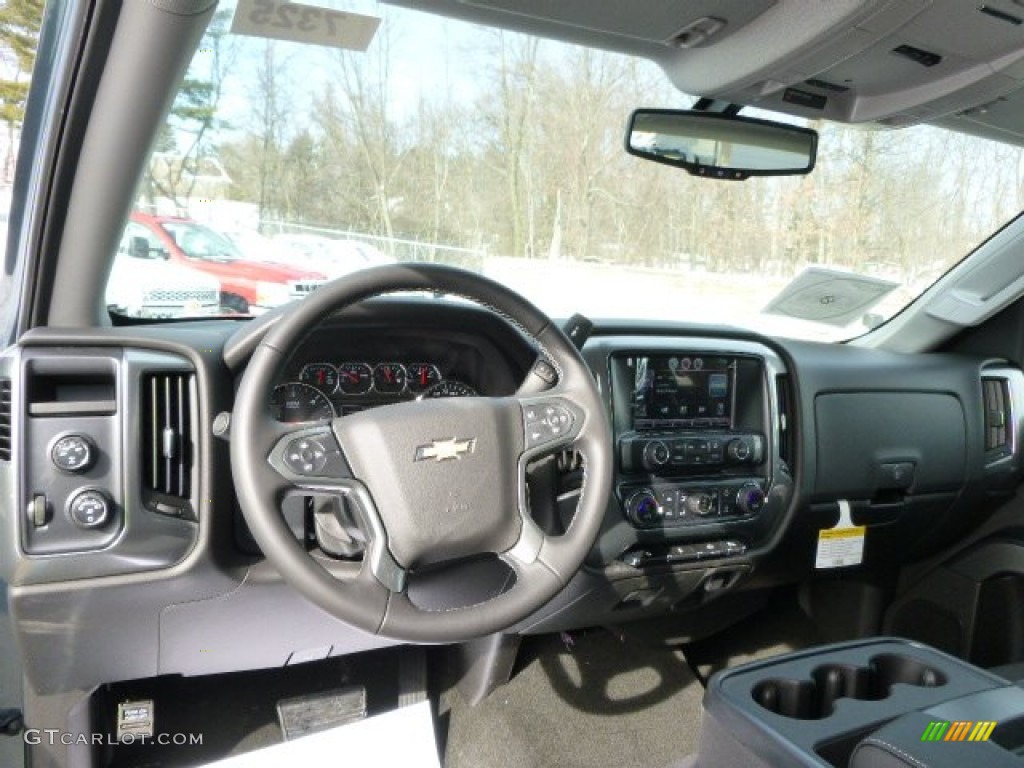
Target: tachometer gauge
[422, 376]
[450, 388]
[389, 378]
[323, 376]
[295, 402]
[355, 378]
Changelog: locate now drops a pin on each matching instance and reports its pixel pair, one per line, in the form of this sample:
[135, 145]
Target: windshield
[198, 242]
[502, 153]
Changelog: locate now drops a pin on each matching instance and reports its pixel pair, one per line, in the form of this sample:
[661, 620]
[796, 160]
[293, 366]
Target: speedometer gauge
[450, 388]
[295, 402]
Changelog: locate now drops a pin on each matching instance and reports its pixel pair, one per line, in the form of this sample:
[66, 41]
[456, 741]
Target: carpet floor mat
[779, 627]
[587, 700]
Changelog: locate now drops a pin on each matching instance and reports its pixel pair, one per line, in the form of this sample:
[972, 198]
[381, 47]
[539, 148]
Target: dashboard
[732, 453]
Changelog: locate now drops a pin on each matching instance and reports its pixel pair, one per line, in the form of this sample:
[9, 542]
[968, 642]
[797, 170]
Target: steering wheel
[432, 482]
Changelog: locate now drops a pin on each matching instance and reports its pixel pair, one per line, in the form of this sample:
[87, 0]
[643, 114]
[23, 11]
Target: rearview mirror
[721, 146]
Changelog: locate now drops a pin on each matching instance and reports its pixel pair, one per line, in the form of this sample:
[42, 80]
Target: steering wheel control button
[73, 454]
[89, 509]
[546, 423]
[310, 455]
[306, 456]
[546, 371]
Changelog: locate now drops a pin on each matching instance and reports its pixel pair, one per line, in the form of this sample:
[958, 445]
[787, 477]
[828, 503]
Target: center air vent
[996, 404]
[5, 419]
[167, 433]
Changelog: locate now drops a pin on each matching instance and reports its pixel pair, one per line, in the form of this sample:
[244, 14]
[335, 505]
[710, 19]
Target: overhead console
[894, 62]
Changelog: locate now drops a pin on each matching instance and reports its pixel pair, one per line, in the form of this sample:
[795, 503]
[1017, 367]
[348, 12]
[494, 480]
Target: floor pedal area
[302, 715]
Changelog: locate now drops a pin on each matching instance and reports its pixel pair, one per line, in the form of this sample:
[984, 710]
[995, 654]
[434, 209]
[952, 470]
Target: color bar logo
[958, 730]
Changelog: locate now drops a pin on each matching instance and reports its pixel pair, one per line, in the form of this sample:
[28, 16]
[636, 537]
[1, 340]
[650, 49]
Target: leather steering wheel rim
[408, 462]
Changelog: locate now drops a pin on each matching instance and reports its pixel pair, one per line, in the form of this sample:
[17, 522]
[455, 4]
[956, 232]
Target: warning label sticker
[843, 545]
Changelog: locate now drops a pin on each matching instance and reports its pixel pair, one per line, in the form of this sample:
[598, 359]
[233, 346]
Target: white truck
[144, 284]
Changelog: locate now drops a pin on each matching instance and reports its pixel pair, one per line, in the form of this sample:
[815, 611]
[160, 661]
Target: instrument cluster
[325, 390]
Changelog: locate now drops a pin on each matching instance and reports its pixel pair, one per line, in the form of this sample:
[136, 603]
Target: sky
[425, 64]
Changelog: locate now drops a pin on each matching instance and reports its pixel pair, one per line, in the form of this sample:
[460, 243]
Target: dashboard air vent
[996, 394]
[785, 419]
[5, 419]
[167, 433]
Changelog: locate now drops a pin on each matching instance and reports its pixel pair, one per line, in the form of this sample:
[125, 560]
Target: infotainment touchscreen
[682, 391]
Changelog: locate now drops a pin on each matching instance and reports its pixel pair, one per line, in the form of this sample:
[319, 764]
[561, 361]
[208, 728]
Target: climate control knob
[642, 508]
[656, 454]
[750, 499]
[700, 504]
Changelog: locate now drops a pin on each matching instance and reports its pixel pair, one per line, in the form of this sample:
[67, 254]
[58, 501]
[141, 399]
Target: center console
[702, 483]
[699, 432]
[683, 431]
[878, 702]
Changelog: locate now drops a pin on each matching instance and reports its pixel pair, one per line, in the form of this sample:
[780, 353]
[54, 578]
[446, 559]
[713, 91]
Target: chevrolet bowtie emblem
[443, 450]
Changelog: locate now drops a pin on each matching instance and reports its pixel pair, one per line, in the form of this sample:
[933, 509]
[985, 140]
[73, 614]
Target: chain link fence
[397, 248]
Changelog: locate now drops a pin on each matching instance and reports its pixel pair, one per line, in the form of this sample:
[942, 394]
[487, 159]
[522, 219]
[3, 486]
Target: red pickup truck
[248, 287]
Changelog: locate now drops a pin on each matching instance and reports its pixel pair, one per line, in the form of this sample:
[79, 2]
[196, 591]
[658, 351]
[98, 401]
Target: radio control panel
[670, 453]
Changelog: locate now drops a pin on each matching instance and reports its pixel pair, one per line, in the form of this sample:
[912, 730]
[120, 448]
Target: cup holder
[815, 698]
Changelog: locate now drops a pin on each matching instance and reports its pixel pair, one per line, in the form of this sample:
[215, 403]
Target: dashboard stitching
[210, 598]
[456, 609]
